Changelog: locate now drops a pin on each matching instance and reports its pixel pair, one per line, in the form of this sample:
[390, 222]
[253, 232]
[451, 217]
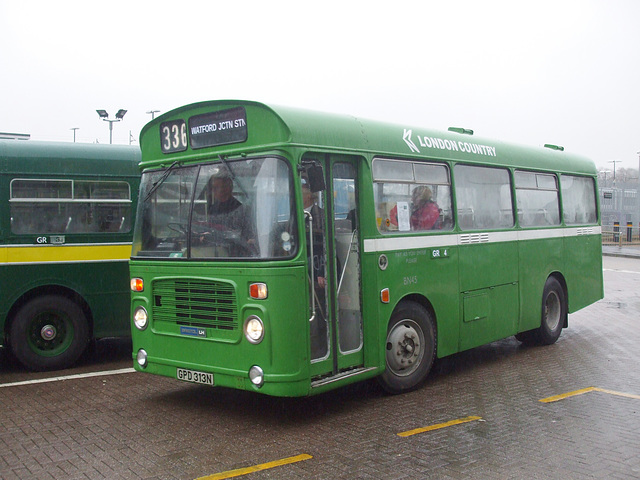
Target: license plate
[194, 376]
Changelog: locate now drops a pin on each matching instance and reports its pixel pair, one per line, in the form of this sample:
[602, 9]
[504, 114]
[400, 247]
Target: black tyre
[410, 348]
[49, 333]
[553, 318]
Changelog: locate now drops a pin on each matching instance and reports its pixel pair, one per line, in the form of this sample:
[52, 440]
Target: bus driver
[221, 199]
[228, 217]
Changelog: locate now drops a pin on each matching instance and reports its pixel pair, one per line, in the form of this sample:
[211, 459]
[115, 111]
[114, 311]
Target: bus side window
[80, 206]
[484, 197]
[537, 199]
[579, 201]
[421, 191]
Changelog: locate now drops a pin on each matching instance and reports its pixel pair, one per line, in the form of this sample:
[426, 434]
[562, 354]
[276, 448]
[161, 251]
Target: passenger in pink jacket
[425, 213]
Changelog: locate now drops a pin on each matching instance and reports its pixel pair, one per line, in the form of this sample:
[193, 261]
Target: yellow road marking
[256, 468]
[619, 394]
[438, 426]
[557, 398]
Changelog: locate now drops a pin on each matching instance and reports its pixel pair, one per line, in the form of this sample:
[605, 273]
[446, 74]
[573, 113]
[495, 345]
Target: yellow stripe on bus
[256, 468]
[64, 253]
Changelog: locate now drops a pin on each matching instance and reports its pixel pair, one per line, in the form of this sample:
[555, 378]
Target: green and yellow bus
[66, 230]
[289, 252]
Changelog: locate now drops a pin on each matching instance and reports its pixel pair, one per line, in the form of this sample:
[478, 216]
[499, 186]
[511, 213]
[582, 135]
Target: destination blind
[218, 128]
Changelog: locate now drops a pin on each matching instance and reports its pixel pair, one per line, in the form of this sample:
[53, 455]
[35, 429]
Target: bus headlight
[141, 358]
[254, 329]
[256, 375]
[140, 318]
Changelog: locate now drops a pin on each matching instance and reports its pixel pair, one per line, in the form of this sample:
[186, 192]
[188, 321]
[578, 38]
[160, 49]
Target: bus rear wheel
[410, 348]
[49, 333]
[553, 318]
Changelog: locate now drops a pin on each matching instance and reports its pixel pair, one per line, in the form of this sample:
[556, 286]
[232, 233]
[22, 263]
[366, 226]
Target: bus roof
[33, 157]
[285, 126]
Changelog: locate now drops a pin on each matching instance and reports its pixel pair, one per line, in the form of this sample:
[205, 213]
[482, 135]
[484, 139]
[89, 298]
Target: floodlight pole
[111, 129]
[105, 116]
[614, 170]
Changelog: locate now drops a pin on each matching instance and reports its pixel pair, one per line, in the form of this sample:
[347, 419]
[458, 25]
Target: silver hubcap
[405, 348]
[552, 311]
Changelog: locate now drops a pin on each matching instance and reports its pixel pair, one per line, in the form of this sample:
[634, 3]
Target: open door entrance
[333, 247]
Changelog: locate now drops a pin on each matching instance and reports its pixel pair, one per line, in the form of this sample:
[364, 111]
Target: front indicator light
[258, 291]
[137, 285]
[254, 329]
[141, 358]
[140, 318]
[256, 375]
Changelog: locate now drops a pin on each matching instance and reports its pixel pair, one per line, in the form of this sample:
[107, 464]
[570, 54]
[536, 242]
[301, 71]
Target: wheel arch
[423, 302]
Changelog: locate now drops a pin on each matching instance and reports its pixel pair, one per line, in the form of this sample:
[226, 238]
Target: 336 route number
[173, 136]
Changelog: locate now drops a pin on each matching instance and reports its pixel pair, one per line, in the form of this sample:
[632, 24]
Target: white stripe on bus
[392, 243]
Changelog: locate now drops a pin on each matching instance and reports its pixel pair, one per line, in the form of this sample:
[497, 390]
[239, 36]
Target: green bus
[66, 230]
[289, 252]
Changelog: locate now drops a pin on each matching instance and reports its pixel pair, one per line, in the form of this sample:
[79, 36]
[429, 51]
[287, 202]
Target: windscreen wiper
[232, 175]
[228, 167]
[161, 180]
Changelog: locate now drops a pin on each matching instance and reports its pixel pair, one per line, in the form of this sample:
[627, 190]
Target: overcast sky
[561, 72]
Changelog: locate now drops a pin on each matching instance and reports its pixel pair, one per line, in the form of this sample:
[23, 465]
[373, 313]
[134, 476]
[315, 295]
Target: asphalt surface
[480, 415]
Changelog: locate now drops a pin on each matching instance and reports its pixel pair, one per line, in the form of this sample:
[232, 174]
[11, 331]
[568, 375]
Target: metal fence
[620, 235]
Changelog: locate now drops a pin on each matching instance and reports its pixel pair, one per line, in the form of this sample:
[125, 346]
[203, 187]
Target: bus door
[336, 322]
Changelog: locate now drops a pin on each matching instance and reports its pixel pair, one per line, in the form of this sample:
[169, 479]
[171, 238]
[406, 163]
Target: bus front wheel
[49, 333]
[410, 348]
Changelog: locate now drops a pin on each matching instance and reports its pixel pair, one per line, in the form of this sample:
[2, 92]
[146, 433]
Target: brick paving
[135, 426]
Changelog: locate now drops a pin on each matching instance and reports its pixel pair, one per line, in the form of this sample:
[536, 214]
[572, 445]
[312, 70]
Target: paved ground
[628, 251]
[130, 425]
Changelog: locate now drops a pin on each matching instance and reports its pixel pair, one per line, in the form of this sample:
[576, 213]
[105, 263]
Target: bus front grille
[195, 303]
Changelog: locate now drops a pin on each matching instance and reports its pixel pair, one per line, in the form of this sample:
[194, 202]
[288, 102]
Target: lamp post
[614, 170]
[74, 133]
[105, 116]
[153, 113]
